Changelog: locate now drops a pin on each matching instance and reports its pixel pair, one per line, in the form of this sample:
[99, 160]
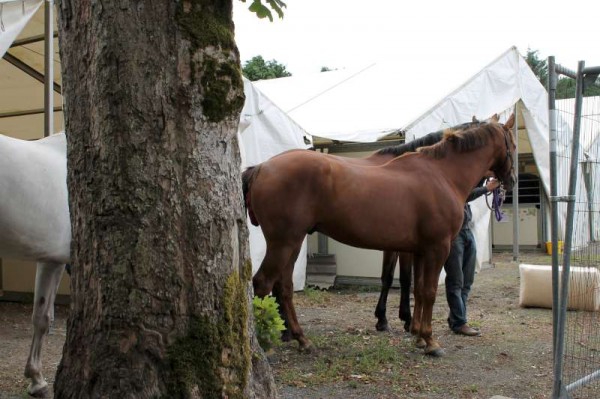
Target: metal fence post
[559, 390]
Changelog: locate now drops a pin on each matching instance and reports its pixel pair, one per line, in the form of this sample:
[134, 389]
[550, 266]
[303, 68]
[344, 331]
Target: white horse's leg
[47, 278]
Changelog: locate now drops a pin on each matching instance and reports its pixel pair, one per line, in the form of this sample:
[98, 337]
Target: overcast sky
[353, 34]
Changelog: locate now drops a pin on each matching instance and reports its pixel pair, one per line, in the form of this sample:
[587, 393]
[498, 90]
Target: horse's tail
[248, 177]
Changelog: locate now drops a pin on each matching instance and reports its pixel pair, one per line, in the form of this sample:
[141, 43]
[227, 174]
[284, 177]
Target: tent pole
[48, 68]
[515, 192]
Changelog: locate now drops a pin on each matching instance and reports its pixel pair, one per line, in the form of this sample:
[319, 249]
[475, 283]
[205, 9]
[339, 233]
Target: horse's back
[34, 214]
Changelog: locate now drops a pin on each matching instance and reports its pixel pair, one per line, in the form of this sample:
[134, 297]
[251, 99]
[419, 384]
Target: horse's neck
[465, 170]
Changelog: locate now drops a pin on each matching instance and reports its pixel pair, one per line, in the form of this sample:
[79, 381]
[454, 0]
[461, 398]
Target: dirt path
[512, 357]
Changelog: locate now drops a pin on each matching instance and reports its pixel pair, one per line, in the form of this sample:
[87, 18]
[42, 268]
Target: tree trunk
[161, 271]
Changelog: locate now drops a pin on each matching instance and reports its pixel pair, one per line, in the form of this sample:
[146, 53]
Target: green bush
[269, 324]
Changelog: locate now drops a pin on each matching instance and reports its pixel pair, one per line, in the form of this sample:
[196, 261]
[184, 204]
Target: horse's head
[504, 169]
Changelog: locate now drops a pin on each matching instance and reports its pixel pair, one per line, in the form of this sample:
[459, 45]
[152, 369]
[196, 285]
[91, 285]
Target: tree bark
[161, 271]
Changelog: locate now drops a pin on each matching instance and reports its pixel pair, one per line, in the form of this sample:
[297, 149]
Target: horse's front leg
[416, 321]
[47, 279]
[387, 277]
[432, 266]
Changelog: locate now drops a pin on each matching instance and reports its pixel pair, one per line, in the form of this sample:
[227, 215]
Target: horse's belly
[372, 236]
[35, 233]
[19, 247]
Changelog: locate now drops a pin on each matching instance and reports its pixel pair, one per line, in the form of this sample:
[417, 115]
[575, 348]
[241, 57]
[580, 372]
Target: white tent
[368, 104]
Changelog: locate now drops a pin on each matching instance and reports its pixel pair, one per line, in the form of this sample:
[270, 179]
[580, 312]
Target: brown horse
[389, 257]
[411, 204]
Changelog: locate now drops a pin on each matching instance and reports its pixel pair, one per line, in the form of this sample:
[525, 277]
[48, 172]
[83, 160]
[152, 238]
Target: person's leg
[468, 274]
[454, 284]
[469, 263]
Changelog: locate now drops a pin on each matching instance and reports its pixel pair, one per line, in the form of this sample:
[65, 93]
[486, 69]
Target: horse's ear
[495, 118]
[510, 123]
[475, 120]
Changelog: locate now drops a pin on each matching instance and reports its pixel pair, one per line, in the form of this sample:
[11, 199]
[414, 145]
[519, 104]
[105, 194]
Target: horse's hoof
[435, 352]
[382, 326]
[286, 336]
[306, 347]
[39, 390]
[407, 326]
[420, 343]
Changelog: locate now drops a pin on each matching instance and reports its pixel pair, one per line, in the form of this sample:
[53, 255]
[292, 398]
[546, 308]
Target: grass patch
[354, 357]
[315, 296]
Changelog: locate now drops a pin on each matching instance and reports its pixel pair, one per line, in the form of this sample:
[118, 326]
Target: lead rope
[498, 196]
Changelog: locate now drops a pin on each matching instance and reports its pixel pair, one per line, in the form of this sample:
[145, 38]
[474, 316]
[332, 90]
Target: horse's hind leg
[286, 334]
[47, 278]
[289, 310]
[275, 274]
[286, 285]
[406, 265]
[271, 269]
[387, 277]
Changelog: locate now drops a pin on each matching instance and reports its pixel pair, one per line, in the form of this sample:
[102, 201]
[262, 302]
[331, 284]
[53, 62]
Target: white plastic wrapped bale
[536, 287]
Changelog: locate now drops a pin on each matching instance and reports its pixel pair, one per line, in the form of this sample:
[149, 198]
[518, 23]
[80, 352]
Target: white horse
[35, 225]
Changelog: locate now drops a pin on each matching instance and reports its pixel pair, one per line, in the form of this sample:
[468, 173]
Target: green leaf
[260, 10]
[268, 323]
[278, 6]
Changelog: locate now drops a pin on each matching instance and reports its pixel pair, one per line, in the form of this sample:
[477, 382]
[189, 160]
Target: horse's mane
[427, 140]
[461, 140]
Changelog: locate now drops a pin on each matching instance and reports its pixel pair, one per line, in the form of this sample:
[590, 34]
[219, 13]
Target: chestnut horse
[413, 203]
[390, 258]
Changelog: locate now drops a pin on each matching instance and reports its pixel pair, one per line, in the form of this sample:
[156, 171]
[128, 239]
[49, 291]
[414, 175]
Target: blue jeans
[460, 273]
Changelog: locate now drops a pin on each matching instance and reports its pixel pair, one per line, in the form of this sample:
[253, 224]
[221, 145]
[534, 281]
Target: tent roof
[368, 104]
[23, 95]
